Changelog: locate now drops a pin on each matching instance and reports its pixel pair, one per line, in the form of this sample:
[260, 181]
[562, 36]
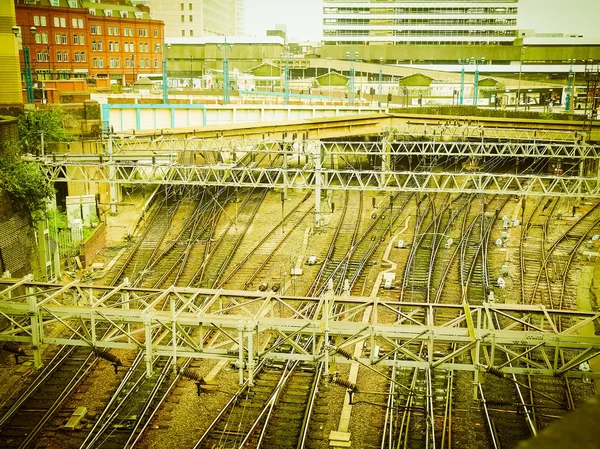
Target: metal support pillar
[380, 82]
[36, 328]
[148, 355]
[569, 86]
[250, 356]
[174, 334]
[112, 185]
[224, 47]
[476, 84]
[462, 82]
[328, 296]
[286, 80]
[386, 159]
[225, 81]
[241, 352]
[165, 82]
[318, 186]
[28, 75]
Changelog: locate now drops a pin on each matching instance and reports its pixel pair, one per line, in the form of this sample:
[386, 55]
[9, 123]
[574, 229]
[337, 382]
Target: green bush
[24, 182]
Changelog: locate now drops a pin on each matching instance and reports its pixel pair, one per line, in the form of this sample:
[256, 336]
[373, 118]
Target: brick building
[75, 38]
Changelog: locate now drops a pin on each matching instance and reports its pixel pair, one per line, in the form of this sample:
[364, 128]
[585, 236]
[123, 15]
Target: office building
[420, 22]
[196, 18]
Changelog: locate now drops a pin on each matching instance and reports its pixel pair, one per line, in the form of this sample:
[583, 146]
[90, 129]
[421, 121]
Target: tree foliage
[33, 124]
[22, 179]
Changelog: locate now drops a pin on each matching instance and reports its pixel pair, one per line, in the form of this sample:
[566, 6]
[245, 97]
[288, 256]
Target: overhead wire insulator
[495, 371]
[108, 355]
[344, 353]
[191, 374]
[346, 384]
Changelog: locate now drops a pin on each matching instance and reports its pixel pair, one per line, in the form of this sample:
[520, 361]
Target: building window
[182, 6]
[56, 22]
[191, 33]
[76, 57]
[99, 45]
[157, 48]
[116, 46]
[39, 55]
[123, 14]
[44, 38]
[73, 3]
[182, 18]
[76, 39]
[183, 32]
[116, 31]
[190, 6]
[155, 32]
[46, 56]
[57, 38]
[156, 63]
[80, 23]
[74, 22]
[110, 31]
[101, 63]
[58, 56]
[65, 56]
[38, 38]
[63, 39]
[191, 18]
[108, 12]
[54, 2]
[36, 21]
[110, 46]
[63, 22]
[117, 62]
[111, 63]
[95, 63]
[81, 39]
[83, 58]
[93, 29]
[94, 48]
[43, 21]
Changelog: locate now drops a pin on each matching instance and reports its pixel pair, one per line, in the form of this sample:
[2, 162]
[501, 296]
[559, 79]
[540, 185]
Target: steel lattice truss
[434, 145]
[464, 131]
[174, 322]
[333, 179]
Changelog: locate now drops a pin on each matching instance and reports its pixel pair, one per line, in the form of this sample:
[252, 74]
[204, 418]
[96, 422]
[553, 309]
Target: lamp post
[380, 82]
[165, 83]
[519, 85]
[476, 80]
[462, 81]
[27, 62]
[351, 57]
[569, 84]
[286, 76]
[224, 46]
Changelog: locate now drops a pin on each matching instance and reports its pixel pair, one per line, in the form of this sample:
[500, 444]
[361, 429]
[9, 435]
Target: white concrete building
[473, 22]
[196, 18]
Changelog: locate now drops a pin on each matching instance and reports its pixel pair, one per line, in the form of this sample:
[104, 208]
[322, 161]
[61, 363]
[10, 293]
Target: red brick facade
[79, 42]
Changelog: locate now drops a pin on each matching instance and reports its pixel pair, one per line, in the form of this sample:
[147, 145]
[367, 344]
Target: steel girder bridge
[347, 165]
[534, 340]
